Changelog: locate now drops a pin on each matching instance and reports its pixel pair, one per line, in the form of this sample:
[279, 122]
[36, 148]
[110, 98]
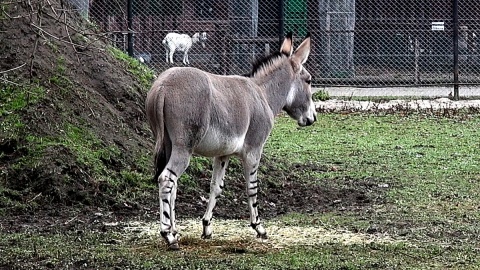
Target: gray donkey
[194, 112]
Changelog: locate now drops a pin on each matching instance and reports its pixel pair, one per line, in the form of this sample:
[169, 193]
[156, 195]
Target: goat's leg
[216, 185]
[185, 57]
[172, 51]
[166, 55]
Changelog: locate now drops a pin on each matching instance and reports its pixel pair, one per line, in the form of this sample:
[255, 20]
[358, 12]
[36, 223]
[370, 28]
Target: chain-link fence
[355, 43]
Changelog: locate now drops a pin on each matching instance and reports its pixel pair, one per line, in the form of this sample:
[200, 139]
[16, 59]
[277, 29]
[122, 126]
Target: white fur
[291, 94]
[215, 143]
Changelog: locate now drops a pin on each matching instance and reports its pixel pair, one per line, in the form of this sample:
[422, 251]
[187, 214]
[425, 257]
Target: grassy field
[424, 169]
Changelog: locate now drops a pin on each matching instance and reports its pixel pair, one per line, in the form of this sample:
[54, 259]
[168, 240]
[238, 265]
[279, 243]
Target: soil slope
[72, 111]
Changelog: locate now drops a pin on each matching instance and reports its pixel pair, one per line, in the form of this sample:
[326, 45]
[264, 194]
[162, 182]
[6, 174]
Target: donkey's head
[299, 104]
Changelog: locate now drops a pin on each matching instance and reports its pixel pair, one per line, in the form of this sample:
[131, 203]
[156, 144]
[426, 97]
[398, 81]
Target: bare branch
[7, 81]
[57, 38]
[1, 72]
[54, 12]
[69, 37]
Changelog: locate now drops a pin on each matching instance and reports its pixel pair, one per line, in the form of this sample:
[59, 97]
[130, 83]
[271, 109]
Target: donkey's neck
[275, 84]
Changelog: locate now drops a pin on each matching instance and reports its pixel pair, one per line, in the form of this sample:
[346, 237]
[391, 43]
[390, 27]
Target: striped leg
[250, 166]
[167, 192]
[216, 185]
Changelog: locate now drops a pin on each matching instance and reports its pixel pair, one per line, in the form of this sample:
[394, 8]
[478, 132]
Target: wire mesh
[355, 43]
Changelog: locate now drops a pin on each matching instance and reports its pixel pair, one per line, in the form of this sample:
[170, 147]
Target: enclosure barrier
[362, 43]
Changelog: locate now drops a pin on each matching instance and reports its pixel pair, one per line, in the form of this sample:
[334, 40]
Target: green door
[296, 17]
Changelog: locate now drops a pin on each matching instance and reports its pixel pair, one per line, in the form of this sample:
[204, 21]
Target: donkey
[194, 112]
[181, 42]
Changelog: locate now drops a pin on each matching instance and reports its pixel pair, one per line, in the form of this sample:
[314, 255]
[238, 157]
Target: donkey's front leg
[250, 164]
[216, 186]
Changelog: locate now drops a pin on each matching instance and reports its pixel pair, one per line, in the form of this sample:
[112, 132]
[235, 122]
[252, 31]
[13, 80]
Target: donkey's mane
[264, 62]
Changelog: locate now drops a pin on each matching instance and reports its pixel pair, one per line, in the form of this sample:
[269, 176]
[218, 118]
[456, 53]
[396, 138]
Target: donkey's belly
[215, 143]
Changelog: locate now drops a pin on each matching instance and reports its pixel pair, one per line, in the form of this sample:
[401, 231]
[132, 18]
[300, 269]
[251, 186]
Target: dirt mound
[73, 126]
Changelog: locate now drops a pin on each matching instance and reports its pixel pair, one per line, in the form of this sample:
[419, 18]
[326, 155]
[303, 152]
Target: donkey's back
[209, 114]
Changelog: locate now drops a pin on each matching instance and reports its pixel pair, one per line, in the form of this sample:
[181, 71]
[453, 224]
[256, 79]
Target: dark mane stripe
[264, 61]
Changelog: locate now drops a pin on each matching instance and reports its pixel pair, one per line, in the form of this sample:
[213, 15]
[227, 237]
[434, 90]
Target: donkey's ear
[287, 46]
[302, 52]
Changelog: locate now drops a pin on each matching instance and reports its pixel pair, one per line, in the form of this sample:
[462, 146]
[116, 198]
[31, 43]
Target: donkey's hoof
[173, 246]
[262, 236]
[204, 236]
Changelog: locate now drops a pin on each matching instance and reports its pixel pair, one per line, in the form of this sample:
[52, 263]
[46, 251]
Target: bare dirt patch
[236, 235]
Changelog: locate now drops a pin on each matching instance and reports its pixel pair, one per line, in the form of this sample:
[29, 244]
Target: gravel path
[430, 91]
[333, 105]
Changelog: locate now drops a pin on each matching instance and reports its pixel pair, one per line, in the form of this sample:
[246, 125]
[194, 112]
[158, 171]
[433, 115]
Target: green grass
[427, 165]
[320, 95]
[432, 164]
[15, 97]
[144, 74]
[84, 145]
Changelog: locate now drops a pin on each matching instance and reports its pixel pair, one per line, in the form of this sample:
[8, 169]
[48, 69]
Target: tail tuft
[160, 163]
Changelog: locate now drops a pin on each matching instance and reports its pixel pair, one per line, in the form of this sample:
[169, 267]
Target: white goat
[181, 42]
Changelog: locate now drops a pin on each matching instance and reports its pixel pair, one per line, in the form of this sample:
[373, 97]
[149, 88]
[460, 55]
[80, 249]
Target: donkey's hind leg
[216, 186]
[176, 165]
[250, 165]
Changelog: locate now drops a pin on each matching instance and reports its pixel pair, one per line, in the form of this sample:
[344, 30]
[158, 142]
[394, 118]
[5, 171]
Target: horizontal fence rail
[369, 43]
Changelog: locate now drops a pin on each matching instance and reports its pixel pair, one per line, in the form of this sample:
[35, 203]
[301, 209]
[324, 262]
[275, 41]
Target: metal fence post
[130, 27]
[281, 21]
[455, 50]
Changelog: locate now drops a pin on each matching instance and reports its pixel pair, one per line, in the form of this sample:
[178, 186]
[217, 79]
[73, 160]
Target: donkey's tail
[160, 160]
[155, 116]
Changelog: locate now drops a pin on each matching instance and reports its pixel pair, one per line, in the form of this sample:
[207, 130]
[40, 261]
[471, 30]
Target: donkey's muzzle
[309, 121]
